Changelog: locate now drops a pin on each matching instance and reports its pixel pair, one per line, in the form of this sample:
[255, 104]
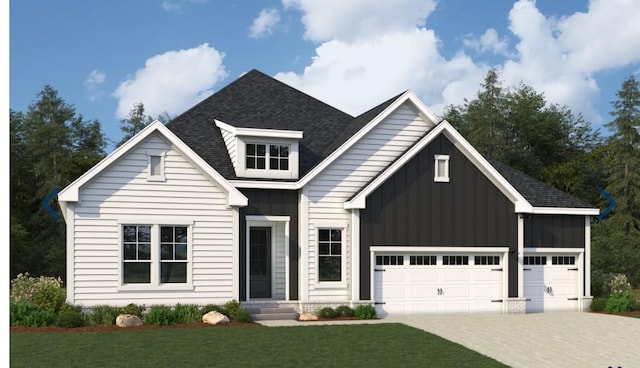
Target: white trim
[255, 132]
[343, 226]
[408, 96]
[287, 185]
[520, 256]
[554, 250]
[437, 175]
[70, 220]
[160, 177]
[565, 211]
[355, 255]
[408, 250]
[254, 218]
[267, 173]
[287, 271]
[72, 192]
[303, 235]
[587, 257]
[235, 252]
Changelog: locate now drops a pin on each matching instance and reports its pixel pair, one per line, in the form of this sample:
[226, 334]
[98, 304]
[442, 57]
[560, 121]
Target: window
[330, 254]
[155, 254]
[563, 260]
[487, 260]
[441, 168]
[389, 260]
[136, 241]
[257, 156]
[455, 260]
[535, 260]
[155, 167]
[173, 254]
[422, 260]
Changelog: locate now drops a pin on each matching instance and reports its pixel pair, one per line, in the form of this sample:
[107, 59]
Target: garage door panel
[420, 274]
[454, 275]
[550, 287]
[422, 292]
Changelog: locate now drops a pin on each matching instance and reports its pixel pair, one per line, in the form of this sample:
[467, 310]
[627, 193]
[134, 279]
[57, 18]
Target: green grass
[375, 345]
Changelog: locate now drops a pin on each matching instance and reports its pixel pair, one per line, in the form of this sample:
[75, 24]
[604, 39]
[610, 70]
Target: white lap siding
[345, 176]
[122, 192]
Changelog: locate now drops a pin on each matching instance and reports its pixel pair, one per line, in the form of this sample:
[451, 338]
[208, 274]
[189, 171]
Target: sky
[105, 56]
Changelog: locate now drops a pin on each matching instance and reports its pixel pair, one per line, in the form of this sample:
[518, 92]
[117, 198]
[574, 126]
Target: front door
[259, 262]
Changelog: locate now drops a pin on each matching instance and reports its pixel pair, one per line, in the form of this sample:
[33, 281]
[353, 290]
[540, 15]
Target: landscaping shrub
[70, 317]
[598, 304]
[133, 309]
[344, 311]
[160, 315]
[232, 307]
[103, 315]
[212, 307]
[187, 313]
[327, 312]
[26, 314]
[243, 316]
[45, 293]
[619, 302]
[367, 311]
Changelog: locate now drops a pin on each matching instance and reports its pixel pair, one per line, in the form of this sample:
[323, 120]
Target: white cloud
[264, 23]
[175, 6]
[93, 82]
[359, 19]
[371, 50]
[172, 82]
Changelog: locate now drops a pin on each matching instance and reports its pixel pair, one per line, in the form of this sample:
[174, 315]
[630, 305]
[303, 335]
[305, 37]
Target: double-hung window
[330, 253]
[155, 254]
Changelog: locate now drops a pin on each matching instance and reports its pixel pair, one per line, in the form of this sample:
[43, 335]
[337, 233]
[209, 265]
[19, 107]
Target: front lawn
[374, 345]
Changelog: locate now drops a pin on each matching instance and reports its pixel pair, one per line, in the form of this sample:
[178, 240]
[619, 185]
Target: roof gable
[72, 192]
[527, 194]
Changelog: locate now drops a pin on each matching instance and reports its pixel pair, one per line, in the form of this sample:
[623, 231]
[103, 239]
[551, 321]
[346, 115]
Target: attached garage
[552, 281]
[439, 282]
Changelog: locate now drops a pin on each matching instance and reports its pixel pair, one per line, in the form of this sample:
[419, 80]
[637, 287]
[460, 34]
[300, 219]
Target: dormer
[262, 153]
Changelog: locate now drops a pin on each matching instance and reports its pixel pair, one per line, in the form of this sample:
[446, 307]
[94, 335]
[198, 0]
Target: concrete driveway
[571, 339]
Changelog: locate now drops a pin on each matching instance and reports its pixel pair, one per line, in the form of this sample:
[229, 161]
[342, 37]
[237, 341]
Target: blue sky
[104, 56]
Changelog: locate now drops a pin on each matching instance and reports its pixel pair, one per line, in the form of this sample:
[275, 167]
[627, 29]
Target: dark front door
[260, 262]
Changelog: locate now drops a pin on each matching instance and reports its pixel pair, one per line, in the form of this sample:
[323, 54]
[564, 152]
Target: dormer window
[262, 153]
[267, 156]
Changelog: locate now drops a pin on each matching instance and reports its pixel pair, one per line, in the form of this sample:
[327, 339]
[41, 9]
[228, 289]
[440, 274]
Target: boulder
[215, 318]
[308, 316]
[128, 320]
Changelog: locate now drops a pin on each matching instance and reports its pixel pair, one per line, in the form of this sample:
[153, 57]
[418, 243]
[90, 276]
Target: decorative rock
[308, 316]
[128, 320]
[215, 318]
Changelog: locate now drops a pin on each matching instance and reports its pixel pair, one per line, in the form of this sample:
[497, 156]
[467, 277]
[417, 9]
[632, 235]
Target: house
[263, 194]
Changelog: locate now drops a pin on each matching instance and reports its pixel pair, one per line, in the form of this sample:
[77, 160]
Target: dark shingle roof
[536, 192]
[256, 100]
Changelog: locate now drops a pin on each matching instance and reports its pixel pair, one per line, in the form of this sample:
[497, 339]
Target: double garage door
[438, 283]
[468, 283]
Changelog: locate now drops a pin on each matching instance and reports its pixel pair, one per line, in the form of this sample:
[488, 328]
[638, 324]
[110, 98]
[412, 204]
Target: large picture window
[155, 254]
[330, 254]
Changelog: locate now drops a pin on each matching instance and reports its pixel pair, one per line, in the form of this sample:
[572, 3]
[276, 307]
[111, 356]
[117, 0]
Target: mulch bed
[116, 328]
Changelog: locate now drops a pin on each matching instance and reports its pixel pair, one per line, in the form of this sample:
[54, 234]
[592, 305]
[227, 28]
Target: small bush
[212, 307]
[344, 311]
[46, 293]
[619, 302]
[367, 311]
[160, 315]
[598, 304]
[232, 307]
[103, 315]
[133, 309]
[70, 318]
[243, 316]
[187, 313]
[327, 312]
[19, 312]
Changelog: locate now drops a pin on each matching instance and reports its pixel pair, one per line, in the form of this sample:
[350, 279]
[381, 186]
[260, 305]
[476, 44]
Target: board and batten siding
[328, 192]
[122, 192]
[554, 231]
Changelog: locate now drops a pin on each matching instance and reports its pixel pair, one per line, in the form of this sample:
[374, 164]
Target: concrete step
[263, 314]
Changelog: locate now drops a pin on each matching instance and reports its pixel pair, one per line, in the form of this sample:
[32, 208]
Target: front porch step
[271, 314]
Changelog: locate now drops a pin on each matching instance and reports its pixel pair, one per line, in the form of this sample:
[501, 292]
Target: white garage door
[421, 284]
[550, 283]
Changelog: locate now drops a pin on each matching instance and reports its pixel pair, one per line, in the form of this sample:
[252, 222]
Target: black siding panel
[554, 231]
[271, 202]
[410, 209]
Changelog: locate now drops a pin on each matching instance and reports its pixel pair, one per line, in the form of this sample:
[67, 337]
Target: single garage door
[550, 283]
[442, 283]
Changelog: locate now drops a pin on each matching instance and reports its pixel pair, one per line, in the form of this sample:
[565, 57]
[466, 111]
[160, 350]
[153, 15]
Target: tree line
[52, 145]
